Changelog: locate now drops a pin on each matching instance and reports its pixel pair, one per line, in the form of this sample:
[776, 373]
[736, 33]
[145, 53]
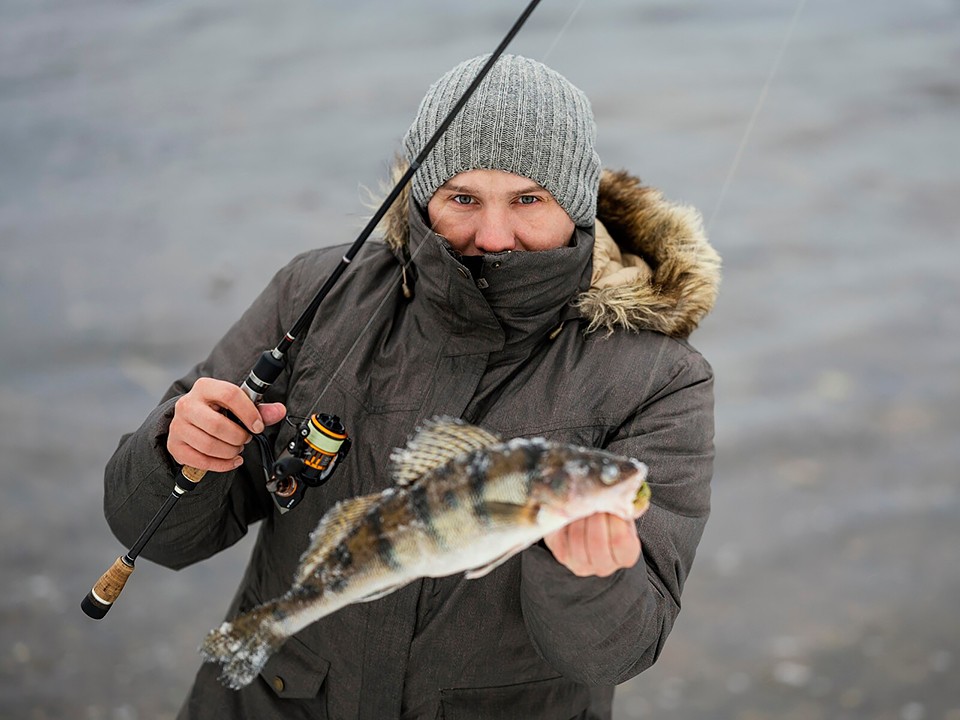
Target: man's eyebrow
[457, 188]
[530, 190]
[468, 190]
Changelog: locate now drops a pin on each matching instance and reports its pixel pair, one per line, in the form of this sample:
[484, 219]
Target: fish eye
[609, 473]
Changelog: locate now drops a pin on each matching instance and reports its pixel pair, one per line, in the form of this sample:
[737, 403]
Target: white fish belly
[437, 562]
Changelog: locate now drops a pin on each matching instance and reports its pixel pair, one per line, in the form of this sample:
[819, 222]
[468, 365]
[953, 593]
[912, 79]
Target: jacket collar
[678, 272]
[518, 298]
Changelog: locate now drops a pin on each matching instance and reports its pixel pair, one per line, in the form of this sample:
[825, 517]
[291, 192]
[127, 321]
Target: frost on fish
[242, 654]
[462, 501]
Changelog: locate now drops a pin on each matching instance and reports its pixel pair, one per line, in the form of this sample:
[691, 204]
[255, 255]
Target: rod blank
[107, 589]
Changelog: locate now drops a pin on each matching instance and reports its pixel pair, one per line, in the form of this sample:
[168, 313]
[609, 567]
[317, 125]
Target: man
[517, 289]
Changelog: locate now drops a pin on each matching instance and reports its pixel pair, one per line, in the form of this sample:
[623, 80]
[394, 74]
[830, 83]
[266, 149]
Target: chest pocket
[379, 372]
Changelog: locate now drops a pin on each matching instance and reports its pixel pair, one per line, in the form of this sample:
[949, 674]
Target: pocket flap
[295, 671]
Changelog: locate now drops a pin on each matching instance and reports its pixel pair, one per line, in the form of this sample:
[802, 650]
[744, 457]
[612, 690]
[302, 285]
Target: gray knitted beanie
[524, 118]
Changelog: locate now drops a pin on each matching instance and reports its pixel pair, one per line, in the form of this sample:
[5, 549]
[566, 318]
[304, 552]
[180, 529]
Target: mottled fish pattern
[463, 500]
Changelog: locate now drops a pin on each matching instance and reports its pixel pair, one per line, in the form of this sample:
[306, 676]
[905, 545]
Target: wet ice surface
[158, 162]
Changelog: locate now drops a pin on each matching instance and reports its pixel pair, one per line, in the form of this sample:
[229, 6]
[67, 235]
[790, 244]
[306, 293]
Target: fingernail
[258, 426]
[238, 461]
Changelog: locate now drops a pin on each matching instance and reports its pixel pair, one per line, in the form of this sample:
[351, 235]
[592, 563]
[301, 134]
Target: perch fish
[463, 500]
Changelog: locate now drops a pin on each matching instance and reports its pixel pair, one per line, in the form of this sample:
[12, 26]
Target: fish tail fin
[243, 646]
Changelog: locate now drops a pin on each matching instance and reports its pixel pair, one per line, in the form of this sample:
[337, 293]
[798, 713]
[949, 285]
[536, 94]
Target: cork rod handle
[192, 474]
[108, 588]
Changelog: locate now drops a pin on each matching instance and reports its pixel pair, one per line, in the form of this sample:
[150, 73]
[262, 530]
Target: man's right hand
[201, 436]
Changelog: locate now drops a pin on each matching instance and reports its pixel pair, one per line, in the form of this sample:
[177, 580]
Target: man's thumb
[272, 413]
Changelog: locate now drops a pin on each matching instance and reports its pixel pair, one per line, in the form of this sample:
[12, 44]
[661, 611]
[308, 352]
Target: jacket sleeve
[141, 474]
[603, 631]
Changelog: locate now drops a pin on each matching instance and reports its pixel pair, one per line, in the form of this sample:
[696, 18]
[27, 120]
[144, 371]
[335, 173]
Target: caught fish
[463, 500]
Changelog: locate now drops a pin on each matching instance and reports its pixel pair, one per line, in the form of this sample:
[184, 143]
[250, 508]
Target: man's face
[484, 211]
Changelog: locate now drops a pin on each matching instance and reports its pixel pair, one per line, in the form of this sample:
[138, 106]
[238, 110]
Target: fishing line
[756, 112]
[391, 289]
[563, 30]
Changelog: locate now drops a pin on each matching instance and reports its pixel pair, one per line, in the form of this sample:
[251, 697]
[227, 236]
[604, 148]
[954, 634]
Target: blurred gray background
[159, 161]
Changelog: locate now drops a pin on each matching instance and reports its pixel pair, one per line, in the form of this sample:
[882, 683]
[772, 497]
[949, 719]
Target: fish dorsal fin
[332, 528]
[437, 442]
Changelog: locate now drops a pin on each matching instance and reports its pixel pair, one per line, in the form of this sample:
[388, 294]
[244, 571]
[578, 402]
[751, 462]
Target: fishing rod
[321, 441]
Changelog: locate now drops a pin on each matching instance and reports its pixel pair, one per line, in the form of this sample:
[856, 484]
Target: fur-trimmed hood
[653, 268]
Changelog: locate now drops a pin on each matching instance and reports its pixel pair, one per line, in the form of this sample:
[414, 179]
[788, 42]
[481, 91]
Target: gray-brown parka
[584, 344]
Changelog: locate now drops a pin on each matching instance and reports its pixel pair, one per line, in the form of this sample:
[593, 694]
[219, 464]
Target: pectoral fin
[502, 513]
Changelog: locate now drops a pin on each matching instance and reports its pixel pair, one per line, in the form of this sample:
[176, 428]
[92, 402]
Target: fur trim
[669, 287]
[670, 240]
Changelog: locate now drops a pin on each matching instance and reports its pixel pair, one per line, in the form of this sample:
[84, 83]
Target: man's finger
[597, 540]
[272, 413]
[186, 455]
[227, 396]
[624, 542]
[557, 543]
[209, 445]
[579, 560]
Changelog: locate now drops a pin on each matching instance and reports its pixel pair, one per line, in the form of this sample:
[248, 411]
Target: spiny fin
[332, 528]
[504, 513]
[484, 569]
[437, 442]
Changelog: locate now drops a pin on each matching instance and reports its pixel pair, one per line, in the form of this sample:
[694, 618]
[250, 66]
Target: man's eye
[462, 199]
[528, 199]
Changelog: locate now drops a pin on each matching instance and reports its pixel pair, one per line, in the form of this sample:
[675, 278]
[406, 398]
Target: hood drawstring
[408, 273]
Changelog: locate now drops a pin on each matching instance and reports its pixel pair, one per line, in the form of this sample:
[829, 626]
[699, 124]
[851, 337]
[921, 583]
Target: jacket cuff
[161, 430]
[570, 619]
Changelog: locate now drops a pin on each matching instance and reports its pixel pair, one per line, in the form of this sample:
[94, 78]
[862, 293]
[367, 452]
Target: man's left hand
[598, 545]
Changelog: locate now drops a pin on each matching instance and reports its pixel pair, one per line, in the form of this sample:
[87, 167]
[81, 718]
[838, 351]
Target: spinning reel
[309, 459]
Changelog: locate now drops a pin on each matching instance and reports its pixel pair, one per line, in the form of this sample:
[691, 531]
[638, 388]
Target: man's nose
[494, 233]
